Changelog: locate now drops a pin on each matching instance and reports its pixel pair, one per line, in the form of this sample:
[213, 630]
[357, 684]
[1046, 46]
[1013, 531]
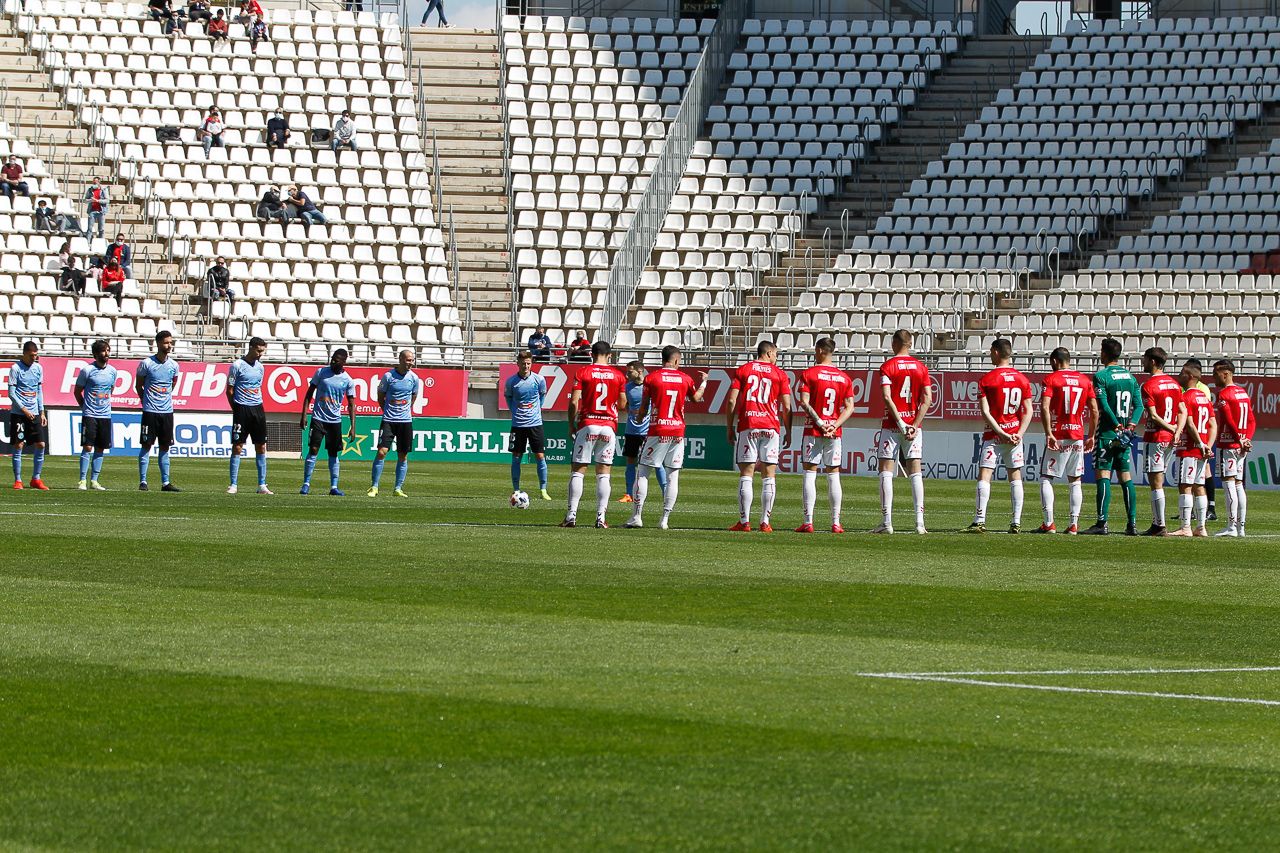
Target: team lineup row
[1079, 415]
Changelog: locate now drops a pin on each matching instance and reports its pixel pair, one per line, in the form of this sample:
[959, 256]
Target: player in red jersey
[1068, 396]
[665, 393]
[1005, 398]
[1166, 418]
[1236, 425]
[598, 393]
[1194, 452]
[904, 384]
[758, 415]
[826, 396]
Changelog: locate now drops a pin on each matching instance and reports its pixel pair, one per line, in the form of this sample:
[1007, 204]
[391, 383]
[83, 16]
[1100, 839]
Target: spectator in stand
[271, 207]
[580, 348]
[218, 283]
[43, 216]
[72, 279]
[112, 280]
[11, 178]
[198, 10]
[249, 11]
[97, 201]
[218, 30]
[306, 208]
[257, 33]
[162, 11]
[211, 129]
[277, 130]
[438, 6]
[64, 254]
[344, 132]
[123, 255]
[540, 345]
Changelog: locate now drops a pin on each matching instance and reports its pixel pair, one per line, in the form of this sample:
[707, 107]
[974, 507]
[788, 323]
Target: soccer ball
[519, 500]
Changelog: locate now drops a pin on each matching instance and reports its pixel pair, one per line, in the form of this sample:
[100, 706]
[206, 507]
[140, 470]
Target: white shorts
[1156, 457]
[1193, 471]
[595, 443]
[1066, 461]
[757, 445]
[893, 445]
[1233, 463]
[663, 451]
[821, 451]
[991, 453]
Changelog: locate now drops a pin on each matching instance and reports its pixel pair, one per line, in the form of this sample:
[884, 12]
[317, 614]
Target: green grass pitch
[201, 671]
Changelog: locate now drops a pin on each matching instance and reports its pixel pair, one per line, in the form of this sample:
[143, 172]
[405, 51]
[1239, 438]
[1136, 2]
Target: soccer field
[205, 671]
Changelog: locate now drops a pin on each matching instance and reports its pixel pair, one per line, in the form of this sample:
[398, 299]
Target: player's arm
[643, 411]
[731, 413]
[139, 384]
[506, 392]
[785, 402]
[1181, 423]
[922, 407]
[78, 392]
[231, 385]
[1153, 416]
[1207, 444]
[13, 395]
[306, 404]
[1046, 420]
[807, 408]
[700, 391]
[989, 419]
[890, 408]
[846, 412]
[575, 399]
[1028, 412]
[44, 418]
[351, 410]
[1104, 405]
[382, 394]
[1091, 437]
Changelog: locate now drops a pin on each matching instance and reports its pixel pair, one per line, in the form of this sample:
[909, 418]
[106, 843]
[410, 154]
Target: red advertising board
[202, 387]
[955, 393]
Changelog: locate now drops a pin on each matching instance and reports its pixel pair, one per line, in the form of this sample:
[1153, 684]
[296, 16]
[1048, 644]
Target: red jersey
[760, 386]
[667, 390]
[906, 378]
[1199, 417]
[1235, 417]
[601, 386]
[1066, 396]
[1006, 390]
[829, 388]
[1162, 393]
[11, 172]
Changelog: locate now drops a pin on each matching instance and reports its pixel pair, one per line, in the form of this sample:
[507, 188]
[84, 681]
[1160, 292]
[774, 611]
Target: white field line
[1174, 671]
[34, 514]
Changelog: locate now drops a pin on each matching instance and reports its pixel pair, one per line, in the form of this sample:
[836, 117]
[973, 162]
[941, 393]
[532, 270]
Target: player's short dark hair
[1003, 347]
[257, 342]
[1061, 355]
[524, 356]
[1111, 349]
[29, 346]
[162, 334]
[600, 348]
[1224, 364]
[636, 363]
[669, 352]
[1156, 355]
[765, 347]
[1194, 364]
[99, 347]
[340, 351]
[825, 345]
[903, 337]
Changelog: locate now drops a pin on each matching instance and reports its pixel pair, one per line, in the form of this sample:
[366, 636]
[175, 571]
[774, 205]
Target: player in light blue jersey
[27, 420]
[397, 391]
[636, 431]
[93, 392]
[526, 393]
[156, 379]
[248, 419]
[330, 387]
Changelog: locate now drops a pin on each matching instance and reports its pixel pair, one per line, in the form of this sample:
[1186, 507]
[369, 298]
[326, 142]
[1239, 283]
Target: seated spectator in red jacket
[112, 280]
[580, 348]
[218, 28]
[11, 178]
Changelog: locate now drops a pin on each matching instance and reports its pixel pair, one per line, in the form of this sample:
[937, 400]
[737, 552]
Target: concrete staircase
[35, 110]
[463, 101]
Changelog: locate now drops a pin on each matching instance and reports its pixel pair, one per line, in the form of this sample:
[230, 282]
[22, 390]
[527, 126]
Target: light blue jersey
[331, 389]
[246, 382]
[26, 388]
[635, 396]
[525, 399]
[400, 391]
[97, 383]
[158, 380]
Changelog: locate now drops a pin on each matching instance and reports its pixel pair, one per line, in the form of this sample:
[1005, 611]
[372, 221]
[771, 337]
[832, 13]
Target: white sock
[809, 494]
[984, 495]
[1242, 503]
[1046, 500]
[1076, 490]
[835, 494]
[1184, 509]
[886, 496]
[768, 491]
[603, 490]
[669, 496]
[917, 496]
[1015, 489]
[1202, 510]
[575, 492]
[642, 490]
[1157, 507]
[1229, 490]
[745, 497]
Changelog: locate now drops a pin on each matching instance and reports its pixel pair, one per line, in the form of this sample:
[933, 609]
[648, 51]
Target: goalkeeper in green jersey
[1119, 408]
